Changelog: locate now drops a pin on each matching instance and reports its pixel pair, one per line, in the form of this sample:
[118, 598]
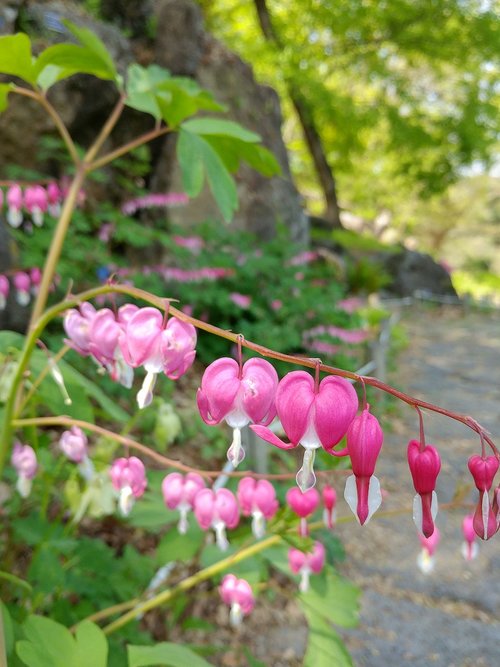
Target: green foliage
[64, 60]
[49, 644]
[166, 654]
[403, 94]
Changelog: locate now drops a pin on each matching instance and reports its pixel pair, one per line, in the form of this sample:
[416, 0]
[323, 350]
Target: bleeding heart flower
[54, 199]
[73, 444]
[237, 593]
[425, 464]
[470, 549]
[483, 469]
[425, 559]
[303, 504]
[312, 415]
[24, 461]
[239, 395]
[15, 204]
[22, 283]
[105, 330]
[158, 347]
[257, 498]
[77, 327]
[217, 510]
[179, 493]
[36, 202]
[329, 504]
[4, 291]
[362, 489]
[306, 564]
[128, 476]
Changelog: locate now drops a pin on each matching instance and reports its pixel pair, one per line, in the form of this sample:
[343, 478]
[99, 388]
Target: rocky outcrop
[414, 272]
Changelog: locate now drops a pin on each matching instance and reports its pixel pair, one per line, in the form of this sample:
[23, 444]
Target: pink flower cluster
[219, 509]
[352, 336]
[172, 274]
[154, 200]
[35, 200]
[24, 283]
[132, 337]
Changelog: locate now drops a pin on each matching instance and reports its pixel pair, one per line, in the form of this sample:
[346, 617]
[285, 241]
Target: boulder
[415, 272]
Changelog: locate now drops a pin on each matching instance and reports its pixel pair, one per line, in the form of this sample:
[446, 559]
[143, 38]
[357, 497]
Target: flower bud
[362, 489]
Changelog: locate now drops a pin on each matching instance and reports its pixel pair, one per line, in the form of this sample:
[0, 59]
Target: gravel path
[451, 617]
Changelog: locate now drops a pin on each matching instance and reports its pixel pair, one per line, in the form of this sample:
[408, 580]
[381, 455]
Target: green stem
[126, 148]
[34, 333]
[190, 582]
[58, 122]
[106, 130]
[16, 580]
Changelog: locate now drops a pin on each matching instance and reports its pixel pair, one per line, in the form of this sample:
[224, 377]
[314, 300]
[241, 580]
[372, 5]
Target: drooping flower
[362, 489]
[179, 493]
[4, 291]
[73, 444]
[148, 342]
[329, 503]
[313, 415]
[217, 510]
[258, 499]
[470, 548]
[241, 300]
[36, 202]
[425, 464]
[22, 283]
[77, 327]
[105, 330]
[128, 476]
[425, 559]
[306, 564]
[24, 461]
[54, 199]
[237, 593]
[15, 205]
[36, 279]
[239, 395]
[303, 503]
[483, 469]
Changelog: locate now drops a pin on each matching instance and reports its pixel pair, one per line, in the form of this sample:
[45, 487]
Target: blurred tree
[394, 97]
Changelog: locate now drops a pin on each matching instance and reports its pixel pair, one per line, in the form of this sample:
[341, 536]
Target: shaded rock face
[414, 271]
[263, 202]
[186, 49]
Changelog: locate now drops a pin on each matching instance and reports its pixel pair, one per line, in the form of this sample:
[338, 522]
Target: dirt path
[451, 617]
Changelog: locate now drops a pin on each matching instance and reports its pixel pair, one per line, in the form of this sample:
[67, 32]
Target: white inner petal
[485, 510]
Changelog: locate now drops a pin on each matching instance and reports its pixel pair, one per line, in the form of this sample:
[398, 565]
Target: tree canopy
[403, 95]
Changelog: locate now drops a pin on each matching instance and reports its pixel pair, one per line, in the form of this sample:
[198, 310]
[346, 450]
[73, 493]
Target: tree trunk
[311, 135]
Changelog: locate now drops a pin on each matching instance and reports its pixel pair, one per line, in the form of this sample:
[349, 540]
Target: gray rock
[413, 272]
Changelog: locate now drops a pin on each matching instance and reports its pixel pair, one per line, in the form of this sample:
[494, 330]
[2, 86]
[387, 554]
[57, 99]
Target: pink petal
[267, 435]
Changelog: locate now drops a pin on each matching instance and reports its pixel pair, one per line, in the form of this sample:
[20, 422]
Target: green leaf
[63, 60]
[191, 163]
[324, 648]
[92, 645]
[16, 58]
[180, 97]
[334, 598]
[221, 127]
[174, 546]
[70, 59]
[232, 151]
[5, 88]
[221, 184]
[165, 654]
[46, 644]
[142, 88]
[8, 628]
[90, 40]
